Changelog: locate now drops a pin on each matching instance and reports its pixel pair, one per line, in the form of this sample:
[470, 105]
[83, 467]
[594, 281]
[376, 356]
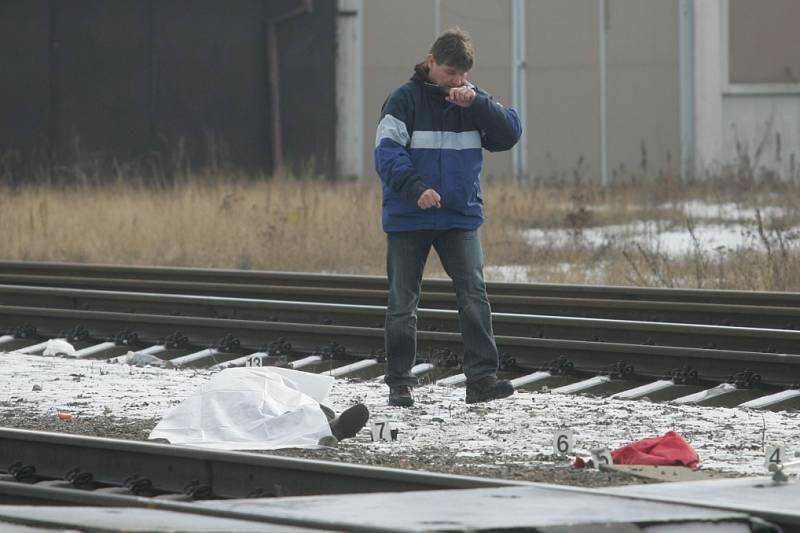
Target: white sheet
[251, 408]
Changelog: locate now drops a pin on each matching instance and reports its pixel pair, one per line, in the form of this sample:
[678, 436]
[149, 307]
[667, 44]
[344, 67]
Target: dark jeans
[462, 257]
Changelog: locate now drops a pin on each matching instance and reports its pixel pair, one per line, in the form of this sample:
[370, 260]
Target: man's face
[444, 75]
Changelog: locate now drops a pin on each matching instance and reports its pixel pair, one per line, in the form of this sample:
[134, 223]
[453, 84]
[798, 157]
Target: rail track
[186, 474]
[685, 362]
[512, 324]
[705, 347]
[58, 469]
[144, 274]
[123, 485]
[733, 308]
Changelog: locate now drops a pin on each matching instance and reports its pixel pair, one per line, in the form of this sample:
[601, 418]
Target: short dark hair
[454, 48]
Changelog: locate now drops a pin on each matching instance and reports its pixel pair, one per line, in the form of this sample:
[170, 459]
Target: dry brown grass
[313, 225]
[278, 224]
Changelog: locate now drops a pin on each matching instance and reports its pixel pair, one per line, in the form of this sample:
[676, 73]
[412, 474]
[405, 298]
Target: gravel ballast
[510, 438]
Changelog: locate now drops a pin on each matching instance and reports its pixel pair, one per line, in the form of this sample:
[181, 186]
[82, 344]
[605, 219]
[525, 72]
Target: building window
[763, 42]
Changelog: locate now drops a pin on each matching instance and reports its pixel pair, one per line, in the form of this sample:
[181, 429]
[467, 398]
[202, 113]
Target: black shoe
[328, 441]
[488, 388]
[350, 422]
[400, 396]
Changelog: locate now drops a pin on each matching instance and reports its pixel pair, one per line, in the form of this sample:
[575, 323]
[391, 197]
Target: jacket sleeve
[500, 126]
[392, 141]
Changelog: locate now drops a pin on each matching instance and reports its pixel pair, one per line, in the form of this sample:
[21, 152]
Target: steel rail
[304, 279]
[223, 474]
[12, 493]
[542, 326]
[523, 353]
[654, 311]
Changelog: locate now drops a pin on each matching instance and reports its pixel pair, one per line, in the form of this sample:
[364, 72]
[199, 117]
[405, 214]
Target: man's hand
[461, 96]
[428, 199]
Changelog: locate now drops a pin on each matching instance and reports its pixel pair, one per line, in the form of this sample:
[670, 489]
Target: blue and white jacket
[424, 142]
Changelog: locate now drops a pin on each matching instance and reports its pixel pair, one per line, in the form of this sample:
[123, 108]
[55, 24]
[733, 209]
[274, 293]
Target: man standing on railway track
[428, 154]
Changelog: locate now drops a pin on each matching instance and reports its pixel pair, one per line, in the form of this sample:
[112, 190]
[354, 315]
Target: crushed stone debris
[510, 438]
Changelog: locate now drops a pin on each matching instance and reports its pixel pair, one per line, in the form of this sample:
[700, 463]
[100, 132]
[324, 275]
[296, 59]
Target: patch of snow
[86, 387]
[519, 429]
[536, 271]
[651, 235]
[58, 347]
[510, 273]
[728, 211]
[733, 228]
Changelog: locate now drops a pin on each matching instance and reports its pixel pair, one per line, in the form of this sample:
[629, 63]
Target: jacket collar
[421, 76]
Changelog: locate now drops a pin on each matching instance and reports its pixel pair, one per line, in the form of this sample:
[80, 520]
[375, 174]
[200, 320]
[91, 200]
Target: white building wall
[350, 89]
[761, 134]
[643, 87]
[730, 124]
[708, 88]
[563, 77]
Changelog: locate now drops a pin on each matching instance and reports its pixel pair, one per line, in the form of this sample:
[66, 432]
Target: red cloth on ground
[669, 449]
